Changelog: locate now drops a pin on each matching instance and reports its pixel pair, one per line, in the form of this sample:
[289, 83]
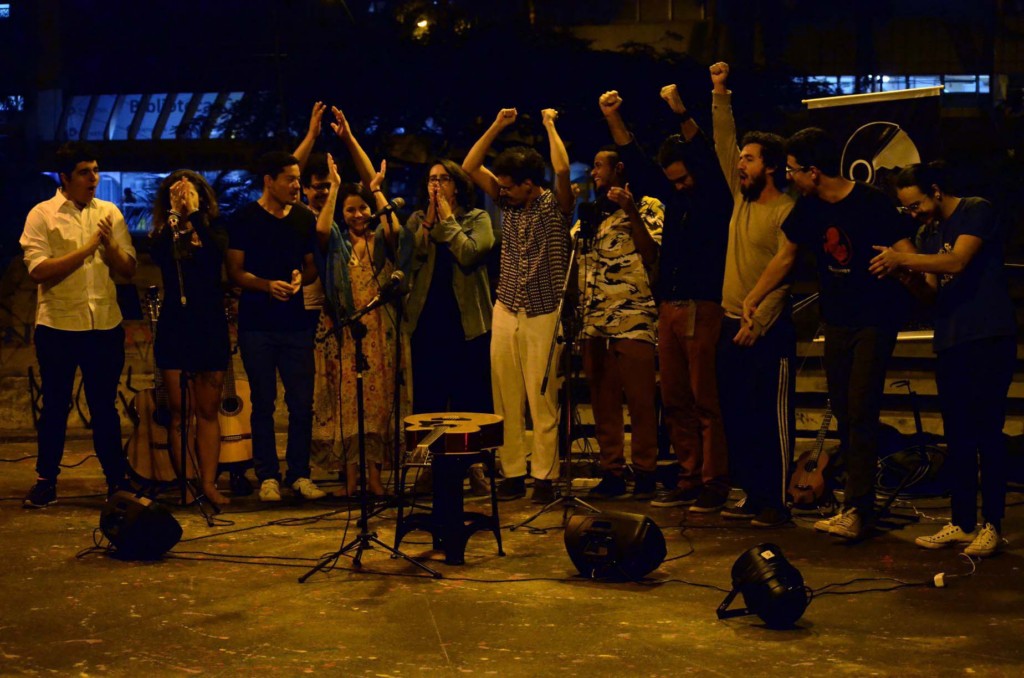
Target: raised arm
[325, 219]
[306, 147]
[474, 162]
[362, 161]
[560, 162]
[609, 103]
[724, 126]
[687, 127]
[115, 245]
[390, 223]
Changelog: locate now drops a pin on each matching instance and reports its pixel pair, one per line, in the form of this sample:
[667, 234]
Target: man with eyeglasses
[841, 221]
[534, 258]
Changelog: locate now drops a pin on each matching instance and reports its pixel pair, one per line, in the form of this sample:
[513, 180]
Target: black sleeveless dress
[194, 336]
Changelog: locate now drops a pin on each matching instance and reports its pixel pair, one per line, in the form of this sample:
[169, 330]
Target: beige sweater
[755, 231]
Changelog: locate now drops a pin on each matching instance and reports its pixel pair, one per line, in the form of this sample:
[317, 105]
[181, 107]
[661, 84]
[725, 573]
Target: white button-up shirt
[86, 299]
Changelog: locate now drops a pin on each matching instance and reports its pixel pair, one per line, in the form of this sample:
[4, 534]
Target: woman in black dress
[192, 331]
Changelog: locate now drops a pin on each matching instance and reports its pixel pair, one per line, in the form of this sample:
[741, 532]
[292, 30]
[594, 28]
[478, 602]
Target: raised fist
[719, 74]
[506, 117]
[610, 102]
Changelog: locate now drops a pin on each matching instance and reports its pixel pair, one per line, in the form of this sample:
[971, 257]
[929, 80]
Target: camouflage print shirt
[615, 287]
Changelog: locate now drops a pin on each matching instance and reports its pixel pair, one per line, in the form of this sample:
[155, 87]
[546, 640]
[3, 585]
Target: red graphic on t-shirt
[838, 245]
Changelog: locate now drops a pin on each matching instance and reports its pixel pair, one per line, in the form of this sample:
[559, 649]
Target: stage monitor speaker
[772, 588]
[614, 545]
[139, 528]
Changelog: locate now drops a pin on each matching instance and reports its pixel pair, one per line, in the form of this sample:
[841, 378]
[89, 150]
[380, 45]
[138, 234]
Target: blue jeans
[264, 354]
[100, 355]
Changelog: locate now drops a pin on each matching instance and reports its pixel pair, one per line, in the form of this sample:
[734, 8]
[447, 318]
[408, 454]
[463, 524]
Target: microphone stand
[567, 499]
[365, 539]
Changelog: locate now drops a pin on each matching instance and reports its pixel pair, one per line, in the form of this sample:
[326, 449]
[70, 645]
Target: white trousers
[519, 351]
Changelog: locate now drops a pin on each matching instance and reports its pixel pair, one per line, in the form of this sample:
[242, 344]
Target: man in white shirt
[74, 244]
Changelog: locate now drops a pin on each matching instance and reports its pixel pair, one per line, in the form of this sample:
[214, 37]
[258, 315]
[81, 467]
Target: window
[961, 84]
[917, 81]
[5, 10]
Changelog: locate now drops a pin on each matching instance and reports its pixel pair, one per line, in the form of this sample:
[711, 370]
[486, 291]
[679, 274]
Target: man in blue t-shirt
[975, 342]
[841, 220]
[270, 257]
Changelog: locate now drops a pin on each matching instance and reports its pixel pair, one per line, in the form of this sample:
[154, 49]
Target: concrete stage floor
[96, 616]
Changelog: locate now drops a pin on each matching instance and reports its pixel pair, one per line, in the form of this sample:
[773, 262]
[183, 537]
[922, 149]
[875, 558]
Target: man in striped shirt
[534, 257]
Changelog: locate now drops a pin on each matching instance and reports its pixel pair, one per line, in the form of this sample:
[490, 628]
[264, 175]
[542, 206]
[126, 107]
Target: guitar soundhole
[230, 406]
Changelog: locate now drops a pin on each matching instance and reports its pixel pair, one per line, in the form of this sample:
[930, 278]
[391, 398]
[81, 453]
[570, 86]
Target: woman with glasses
[449, 310]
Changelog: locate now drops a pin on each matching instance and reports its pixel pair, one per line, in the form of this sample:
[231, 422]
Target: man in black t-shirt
[270, 258]
[975, 346]
[841, 221]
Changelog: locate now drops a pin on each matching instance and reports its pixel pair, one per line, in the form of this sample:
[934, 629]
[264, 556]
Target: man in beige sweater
[755, 360]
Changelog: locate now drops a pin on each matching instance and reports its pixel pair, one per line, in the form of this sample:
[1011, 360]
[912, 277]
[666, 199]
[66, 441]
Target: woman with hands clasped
[192, 331]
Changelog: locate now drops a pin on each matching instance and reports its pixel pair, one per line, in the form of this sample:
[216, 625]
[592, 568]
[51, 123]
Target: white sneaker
[950, 535]
[986, 543]
[308, 489]
[270, 490]
[825, 525]
[850, 524]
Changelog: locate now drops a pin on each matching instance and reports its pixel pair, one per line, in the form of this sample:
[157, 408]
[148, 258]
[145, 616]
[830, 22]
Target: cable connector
[939, 581]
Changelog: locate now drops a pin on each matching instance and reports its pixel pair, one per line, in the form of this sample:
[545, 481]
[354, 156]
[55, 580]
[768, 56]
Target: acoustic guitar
[149, 453]
[809, 484]
[448, 433]
[235, 426]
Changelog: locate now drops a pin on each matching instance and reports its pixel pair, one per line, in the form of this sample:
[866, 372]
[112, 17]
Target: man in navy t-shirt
[975, 342]
[841, 221]
[270, 258]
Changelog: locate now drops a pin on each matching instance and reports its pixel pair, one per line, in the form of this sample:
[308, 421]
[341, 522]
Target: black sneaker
[770, 517]
[43, 493]
[512, 488]
[743, 510]
[675, 497]
[543, 492]
[610, 487]
[645, 487]
[709, 501]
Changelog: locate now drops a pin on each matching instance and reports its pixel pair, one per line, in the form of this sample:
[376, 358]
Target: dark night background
[413, 92]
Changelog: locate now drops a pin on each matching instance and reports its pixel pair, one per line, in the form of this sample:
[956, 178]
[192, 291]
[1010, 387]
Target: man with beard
[270, 257]
[687, 176]
[755, 383]
[841, 220]
[620, 321]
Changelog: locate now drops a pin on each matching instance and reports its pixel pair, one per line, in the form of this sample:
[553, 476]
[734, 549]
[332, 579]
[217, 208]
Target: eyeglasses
[911, 209]
[790, 171]
[441, 179]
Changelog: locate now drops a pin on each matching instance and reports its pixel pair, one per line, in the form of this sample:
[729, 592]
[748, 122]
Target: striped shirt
[534, 255]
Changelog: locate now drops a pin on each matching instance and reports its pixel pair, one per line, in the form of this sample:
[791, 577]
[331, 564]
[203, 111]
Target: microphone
[397, 281]
[396, 204]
